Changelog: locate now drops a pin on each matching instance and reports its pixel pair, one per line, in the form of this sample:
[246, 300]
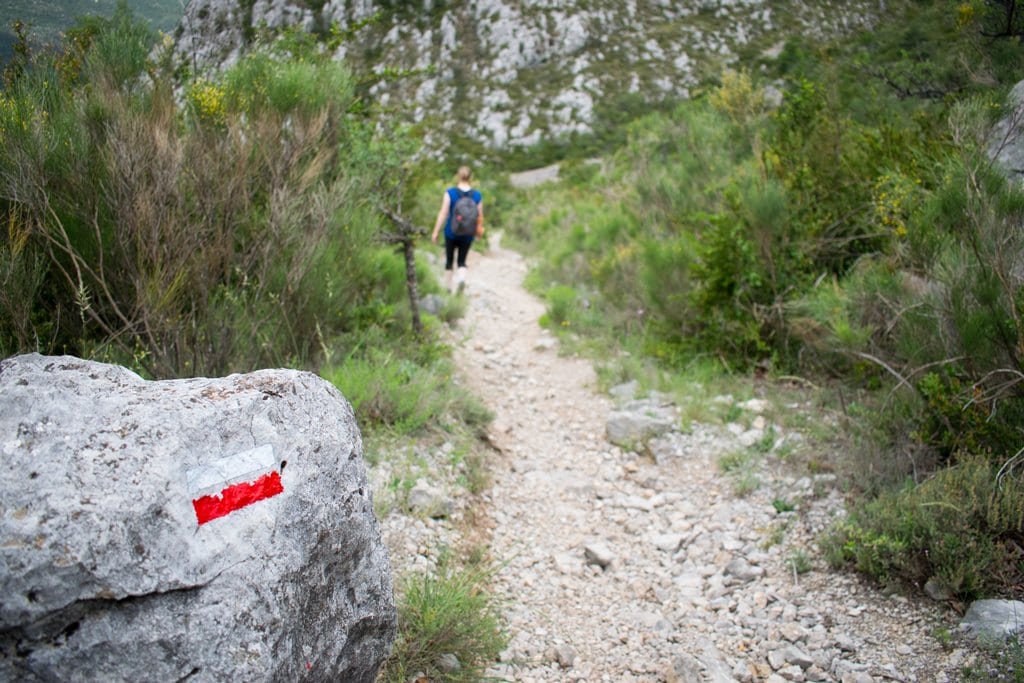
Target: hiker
[462, 214]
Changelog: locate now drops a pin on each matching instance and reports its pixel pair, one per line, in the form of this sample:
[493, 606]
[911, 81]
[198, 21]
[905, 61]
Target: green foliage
[1000, 661]
[827, 163]
[390, 392]
[264, 82]
[744, 483]
[21, 279]
[838, 319]
[799, 561]
[735, 462]
[782, 505]
[562, 302]
[917, 55]
[993, 18]
[859, 229]
[956, 421]
[447, 613]
[404, 395]
[728, 284]
[472, 462]
[698, 238]
[234, 232]
[739, 97]
[740, 466]
[957, 526]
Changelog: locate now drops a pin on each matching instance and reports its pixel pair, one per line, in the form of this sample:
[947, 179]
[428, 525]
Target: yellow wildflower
[208, 101]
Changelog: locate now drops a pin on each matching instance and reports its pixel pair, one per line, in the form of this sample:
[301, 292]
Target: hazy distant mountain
[47, 18]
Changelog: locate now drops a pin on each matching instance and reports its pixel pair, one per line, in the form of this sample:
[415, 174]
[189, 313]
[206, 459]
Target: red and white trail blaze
[234, 482]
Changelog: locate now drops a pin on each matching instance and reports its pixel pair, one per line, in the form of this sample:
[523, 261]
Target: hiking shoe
[460, 280]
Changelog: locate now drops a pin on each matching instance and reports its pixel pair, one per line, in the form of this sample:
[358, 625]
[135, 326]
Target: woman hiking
[462, 214]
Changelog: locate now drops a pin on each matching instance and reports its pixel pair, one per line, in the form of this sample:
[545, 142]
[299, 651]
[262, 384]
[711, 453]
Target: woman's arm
[480, 219]
[442, 215]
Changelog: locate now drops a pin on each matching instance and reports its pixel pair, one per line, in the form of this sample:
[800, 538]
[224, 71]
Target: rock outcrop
[218, 529]
[993, 619]
[1006, 144]
[510, 73]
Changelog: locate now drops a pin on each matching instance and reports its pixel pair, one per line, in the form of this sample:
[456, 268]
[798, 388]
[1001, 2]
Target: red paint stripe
[237, 496]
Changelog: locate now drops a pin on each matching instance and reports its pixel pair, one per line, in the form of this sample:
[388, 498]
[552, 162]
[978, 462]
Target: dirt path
[617, 568]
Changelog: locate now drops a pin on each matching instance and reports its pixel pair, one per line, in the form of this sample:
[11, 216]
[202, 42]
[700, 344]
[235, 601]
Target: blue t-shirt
[453, 195]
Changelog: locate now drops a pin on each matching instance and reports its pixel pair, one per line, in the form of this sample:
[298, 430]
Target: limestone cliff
[516, 72]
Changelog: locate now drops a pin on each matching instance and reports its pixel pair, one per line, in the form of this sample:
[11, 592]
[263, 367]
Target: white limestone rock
[117, 562]
[993, 618]
[539, 52]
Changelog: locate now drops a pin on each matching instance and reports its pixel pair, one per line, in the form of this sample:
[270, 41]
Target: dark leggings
[450, 245]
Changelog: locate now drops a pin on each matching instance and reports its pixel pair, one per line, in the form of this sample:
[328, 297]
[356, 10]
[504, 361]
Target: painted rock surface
[218, 529]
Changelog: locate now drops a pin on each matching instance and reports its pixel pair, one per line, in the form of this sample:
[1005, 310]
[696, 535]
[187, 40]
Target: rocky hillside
[513, 73]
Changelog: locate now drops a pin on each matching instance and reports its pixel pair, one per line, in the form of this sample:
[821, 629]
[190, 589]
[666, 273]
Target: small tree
[404, 235]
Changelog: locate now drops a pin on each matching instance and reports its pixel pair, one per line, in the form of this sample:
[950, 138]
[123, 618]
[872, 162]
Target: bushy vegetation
[855, 230]
[958, 526]
[406, 392]
[200, 225]
[1003, 662]
[220, 225]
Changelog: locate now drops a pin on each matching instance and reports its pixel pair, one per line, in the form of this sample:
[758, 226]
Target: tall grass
[230, 228]
[449, 628]
[406, 393]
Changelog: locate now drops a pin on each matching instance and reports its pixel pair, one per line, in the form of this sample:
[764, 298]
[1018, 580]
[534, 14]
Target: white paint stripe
[219, 474]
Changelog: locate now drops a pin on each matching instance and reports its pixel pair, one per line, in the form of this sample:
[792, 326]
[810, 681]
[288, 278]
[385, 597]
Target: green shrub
[999, 661]
[781, 505]
[727, 281]
[860, 230]
[404, 394]
[735, 461]
[22, 272]
[740, 467]
[799, 561]
[264, 81]
[955, 526]
[562, 302]
[448, 614]
[744, 483]
[233, 232]
[955, 421]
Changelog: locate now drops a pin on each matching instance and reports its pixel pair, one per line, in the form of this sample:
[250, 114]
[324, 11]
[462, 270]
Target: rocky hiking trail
[615, 566]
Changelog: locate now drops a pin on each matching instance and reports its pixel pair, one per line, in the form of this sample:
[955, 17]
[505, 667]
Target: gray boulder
[210, 529]
[1006, 145]
[639, 421]
[432, 304]
[430, 501]
[994, 618]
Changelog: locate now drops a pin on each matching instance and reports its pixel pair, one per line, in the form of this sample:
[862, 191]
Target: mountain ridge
[47, 20]
[530, 71]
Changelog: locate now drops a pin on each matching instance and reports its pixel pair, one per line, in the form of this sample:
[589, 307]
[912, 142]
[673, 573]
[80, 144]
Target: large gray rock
[210, 529]
[639, 421]
[994, 618]
[1006, 145]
